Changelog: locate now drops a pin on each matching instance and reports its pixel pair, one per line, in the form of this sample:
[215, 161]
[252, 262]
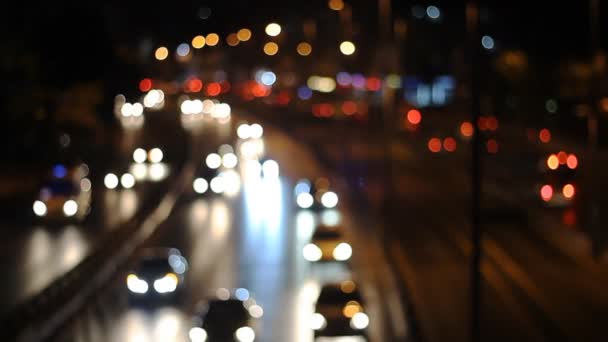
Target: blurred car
[226, 318]
[327, 244]
[339, 311]
[158, 274]
[65, 195]
[315, 195]
[207, 175]
[558, 179]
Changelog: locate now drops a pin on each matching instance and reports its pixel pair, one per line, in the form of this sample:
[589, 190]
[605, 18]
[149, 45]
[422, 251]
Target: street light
[347, 48]
[273, 29]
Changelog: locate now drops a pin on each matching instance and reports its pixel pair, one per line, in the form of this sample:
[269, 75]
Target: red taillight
[546, 192]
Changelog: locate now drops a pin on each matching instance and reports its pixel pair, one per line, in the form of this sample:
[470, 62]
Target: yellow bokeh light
[198, 42]
[347, 48]
[271, 48]
[336, 5]
[232, 40]
[161, 53]
[212, 39]
[273, 29]
[304, 49]
[244, 34]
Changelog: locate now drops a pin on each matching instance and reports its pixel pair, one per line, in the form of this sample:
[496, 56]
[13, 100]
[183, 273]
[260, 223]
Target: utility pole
[472, 20]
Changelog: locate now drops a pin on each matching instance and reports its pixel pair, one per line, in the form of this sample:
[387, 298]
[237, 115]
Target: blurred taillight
[546, 192]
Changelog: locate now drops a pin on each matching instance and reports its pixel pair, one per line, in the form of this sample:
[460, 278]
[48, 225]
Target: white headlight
[39, 208]
[70, 208]
[245, 334]
[342, 252]
[139, 155]
[256, 311]
[197, 334]
[200, 185]
[218, 184]
[213, 161]
[256, 131]
[229, 160]
[243, 131]
[359, 321]
[127, 181]
[110, 181]
[136, 285]
[166, 284]
[312, 253]
[305, 200]
[317, 321]
[270, 169]
[329, 199]
[155, 155]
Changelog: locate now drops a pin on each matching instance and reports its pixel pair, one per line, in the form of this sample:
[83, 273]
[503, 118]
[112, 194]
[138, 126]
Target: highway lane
[540, 279]
[253, 239]
[34, 253]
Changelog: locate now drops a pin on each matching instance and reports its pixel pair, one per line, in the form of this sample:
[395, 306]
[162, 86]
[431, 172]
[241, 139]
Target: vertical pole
[472, 18]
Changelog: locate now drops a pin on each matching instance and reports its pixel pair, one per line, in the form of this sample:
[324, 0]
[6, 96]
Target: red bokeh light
[283, 98]
[569, 217]
[434, 145]
[214, 89]
[544, 135]
[449, 144]
[349, 107]
[546, 192]
[572, 161]
[492, 123]
[145, 85]
[414, 117]
[373, 83]
[562, 157]
[492, 146]
[194, 85]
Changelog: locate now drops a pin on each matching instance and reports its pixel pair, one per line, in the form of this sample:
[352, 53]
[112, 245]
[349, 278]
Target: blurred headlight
[70, 208]
[218, 184]
[312, 252]
[127, 181]
[197, 334]
[317, 321]
[139, 155]
[110, 181]
[155, 155]
[136, 285]
[305, 200]
[213, 161]
[200, 185]
[329, 199]
[245, 334]
[39, 208]
[166, 284]
[229, 160]
[342, 252]
[359, 321]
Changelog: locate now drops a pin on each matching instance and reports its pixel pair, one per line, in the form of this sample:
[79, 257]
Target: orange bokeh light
[568, 191]
[194, 85]
[466, 129]
[553, 162]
